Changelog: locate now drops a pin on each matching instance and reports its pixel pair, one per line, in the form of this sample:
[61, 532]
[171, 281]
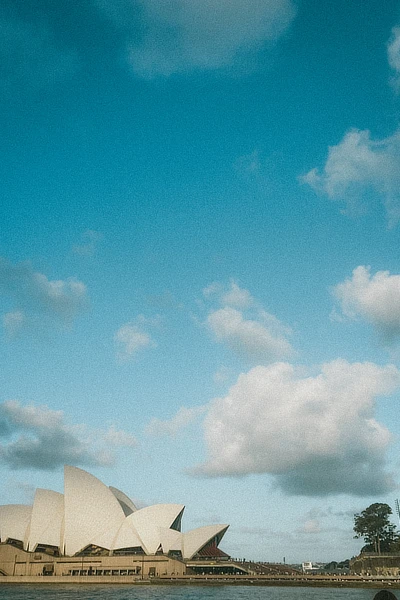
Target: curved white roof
[196, 539]
[147, 523]
[127, 537]
[14, 521]
[91, 511]
[126, 503]
[170, 539]
[46, 519]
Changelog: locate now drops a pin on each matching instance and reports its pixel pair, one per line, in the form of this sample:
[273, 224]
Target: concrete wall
[385, 565]
[14, 561]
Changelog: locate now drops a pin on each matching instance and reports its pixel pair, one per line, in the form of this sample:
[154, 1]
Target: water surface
[159, 592]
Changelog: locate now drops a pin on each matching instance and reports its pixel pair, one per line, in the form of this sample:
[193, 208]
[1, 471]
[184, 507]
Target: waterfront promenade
[338, 581]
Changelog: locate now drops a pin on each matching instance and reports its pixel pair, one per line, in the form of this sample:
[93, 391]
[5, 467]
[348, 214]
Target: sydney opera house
[95, 530]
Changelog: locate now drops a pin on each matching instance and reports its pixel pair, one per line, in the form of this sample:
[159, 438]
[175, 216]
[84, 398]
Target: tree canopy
[374, 526]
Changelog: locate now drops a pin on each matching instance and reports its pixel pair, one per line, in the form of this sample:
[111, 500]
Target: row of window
[134, 571]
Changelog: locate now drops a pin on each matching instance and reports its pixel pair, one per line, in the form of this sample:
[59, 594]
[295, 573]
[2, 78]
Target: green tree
[374, 526]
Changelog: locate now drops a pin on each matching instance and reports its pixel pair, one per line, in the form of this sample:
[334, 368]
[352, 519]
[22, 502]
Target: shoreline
[211, 580]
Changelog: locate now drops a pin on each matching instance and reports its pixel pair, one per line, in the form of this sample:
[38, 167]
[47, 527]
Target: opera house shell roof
[92, 518]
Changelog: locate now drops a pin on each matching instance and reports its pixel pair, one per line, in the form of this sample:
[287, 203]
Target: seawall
[262, 580]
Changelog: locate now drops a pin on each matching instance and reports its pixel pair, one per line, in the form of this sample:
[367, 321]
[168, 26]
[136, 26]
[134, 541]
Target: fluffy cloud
[39, 299]
[359, 164]
[237, 297]
[375, 298]
[394, 55]
[183, 418]
[131, 338]
[315, 435]
[248, 338]
[186, 35]
[251, 332]
[40, 438]
[30, 56]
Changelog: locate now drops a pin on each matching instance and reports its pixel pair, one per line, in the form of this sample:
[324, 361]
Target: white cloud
[375, 298]
[393, 50]
[120, 438]
[131, 338]
[251, 332]
[249, 338]
[315, 435]
[215, 289]
[237, 297]
[357, 165]
[40, 438]
[180, 36]
[39, 299]
[183, 418]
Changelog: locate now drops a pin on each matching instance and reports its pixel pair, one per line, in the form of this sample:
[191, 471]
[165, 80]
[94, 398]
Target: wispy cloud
[249, 163]
[316, 435]
[183, 418]
[88, 244]
[311, 526]
[13, 322]
[244, 326]
[37, 437]
[358, 164]
[375, 298]
[393, 50]
[38, 299]
[133, 337]
[180, 36]
[119, 438]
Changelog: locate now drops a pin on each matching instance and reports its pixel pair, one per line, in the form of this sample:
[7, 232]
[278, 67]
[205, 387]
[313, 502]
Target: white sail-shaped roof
[126, 503]
[91, 511]
[147, 523]
[196, 539]
[127, 537]
[91, 514]
[46, 520]
[170, 539]
[14, 521]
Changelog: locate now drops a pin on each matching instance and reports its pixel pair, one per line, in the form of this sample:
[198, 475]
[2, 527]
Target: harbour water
[110, 592]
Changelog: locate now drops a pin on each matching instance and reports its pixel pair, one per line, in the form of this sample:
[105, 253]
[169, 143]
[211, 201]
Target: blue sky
[199, 274]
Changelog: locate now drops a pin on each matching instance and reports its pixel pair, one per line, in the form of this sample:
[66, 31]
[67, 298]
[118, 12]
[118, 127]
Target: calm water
[81, 592]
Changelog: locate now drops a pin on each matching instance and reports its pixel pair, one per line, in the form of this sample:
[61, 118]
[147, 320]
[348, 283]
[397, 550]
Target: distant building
[310, 567]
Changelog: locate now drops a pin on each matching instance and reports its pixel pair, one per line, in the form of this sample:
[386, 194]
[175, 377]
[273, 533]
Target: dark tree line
[379, 533]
